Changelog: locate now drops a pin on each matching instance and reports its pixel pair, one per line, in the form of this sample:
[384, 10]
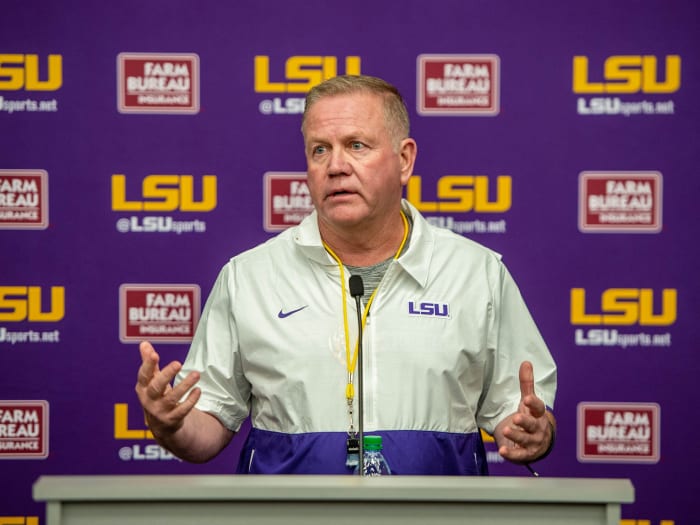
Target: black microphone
[357, 290]
[357, 287]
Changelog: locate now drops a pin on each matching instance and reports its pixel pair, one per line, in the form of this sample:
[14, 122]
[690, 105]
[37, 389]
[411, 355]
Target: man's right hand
[189, 433]
[162, 403]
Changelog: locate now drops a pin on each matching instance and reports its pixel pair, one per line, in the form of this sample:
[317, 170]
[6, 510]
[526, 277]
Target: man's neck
[363, 246]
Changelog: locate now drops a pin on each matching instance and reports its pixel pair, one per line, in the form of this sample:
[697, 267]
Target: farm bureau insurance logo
[24, 199]
[287, 199]
[166, 313]
[301, 73]
[24, 429]
[618, 432]
[620, 202]
[26, 74]
[627, 76]
[158, 83]
[467, 85]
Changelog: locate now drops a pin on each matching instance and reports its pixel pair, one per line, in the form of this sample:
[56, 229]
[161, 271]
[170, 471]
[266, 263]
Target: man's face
[355, 174]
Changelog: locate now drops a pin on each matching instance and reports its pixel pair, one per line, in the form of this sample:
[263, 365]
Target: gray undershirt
[372, 275]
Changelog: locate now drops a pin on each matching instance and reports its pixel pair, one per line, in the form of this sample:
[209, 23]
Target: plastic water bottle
[375, 463]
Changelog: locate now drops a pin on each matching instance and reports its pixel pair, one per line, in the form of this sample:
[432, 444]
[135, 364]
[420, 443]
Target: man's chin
[343, 217]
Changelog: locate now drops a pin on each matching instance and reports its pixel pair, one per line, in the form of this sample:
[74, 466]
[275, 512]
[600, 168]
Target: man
[448, 344]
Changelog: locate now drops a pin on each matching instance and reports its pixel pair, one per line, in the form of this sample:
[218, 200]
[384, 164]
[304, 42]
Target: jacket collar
[415, 260]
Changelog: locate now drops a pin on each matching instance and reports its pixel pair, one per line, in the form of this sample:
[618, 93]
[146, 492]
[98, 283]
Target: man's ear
[407, 157]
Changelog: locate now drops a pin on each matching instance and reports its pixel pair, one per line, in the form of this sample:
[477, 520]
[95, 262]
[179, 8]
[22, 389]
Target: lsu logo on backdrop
[618, 432]
[24, 429]
[626, 75]
[458, 85]
[27, 303]
[24, 202]
[287, 200]
[620, 202]
[462, 193]
[163, 193]
[123, 429]
[646, 522]
[167, 313]
[301, 73]
[158, 83]
[28, 72]
[625, 307]
[137, 451]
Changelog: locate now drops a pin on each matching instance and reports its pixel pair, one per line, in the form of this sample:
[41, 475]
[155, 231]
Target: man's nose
[338, 163]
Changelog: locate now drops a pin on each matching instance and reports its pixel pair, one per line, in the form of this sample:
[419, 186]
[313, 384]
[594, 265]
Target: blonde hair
[395, 112]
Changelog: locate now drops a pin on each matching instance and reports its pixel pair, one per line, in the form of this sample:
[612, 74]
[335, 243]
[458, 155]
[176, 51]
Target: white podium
[335, 500]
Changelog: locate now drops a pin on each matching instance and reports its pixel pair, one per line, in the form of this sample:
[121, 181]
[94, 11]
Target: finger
[187, 404]
[530, 432]
[526, 376]
[529, 400]
[149, 363]
[146, 349]
[161, 381]
[529, 423]
[536, 406]
[516, 455]
[520, 444]
[183, 386]
[526, 438]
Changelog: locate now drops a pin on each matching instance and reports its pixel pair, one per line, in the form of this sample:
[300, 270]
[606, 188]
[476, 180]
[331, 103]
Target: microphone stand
[357, 290]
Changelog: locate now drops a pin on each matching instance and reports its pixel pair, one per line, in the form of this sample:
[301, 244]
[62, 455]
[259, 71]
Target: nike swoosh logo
[282, 314]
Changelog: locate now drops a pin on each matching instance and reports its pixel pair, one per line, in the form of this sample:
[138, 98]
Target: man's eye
[319, 150]
[357, 145]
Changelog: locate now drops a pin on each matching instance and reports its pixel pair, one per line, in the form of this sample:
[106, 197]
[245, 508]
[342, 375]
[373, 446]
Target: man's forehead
[354, 101]
[359, 110]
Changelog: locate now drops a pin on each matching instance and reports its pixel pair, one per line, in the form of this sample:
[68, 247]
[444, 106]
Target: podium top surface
[331, 488]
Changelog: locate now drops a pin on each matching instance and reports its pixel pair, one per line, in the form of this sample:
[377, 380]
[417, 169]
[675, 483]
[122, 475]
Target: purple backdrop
[143, 144]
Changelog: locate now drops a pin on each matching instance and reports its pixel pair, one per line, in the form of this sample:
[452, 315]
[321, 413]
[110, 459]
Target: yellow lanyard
[351, 362]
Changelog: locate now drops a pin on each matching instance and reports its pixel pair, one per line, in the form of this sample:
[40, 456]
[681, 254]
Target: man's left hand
[526, 435]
